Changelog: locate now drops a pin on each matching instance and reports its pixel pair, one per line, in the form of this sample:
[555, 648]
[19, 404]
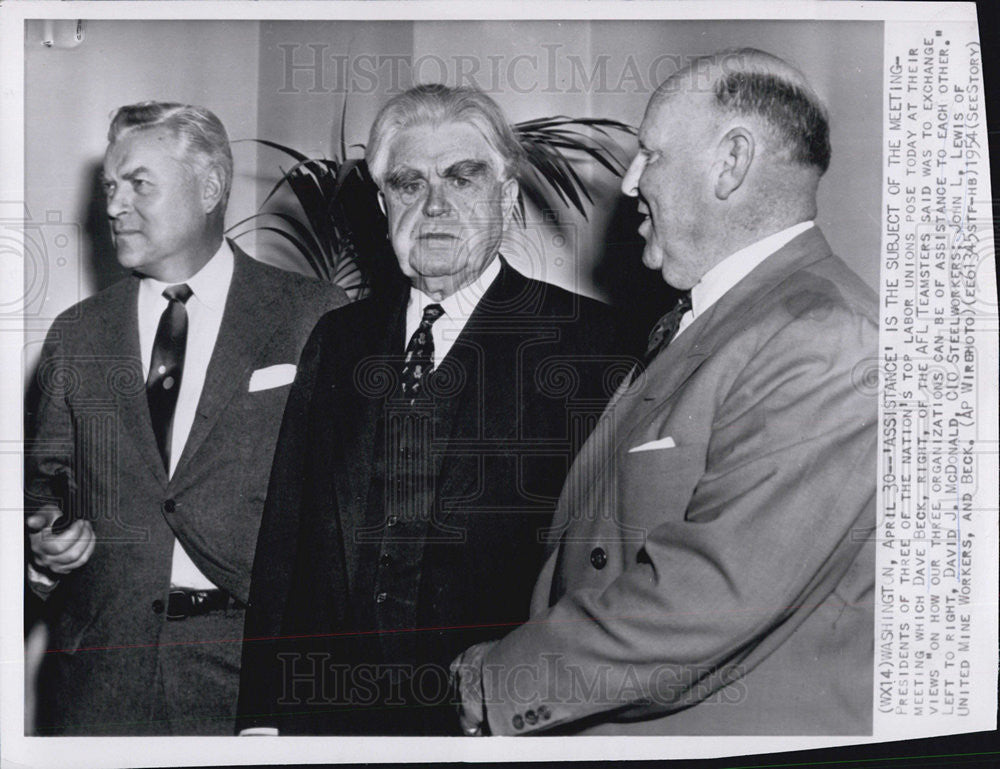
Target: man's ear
[213, 188]
[508, 196]
[381, 202]
[734, 158]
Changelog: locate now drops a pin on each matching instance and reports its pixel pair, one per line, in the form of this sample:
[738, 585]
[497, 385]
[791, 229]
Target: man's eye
[109, 189]
[461, 181]
[140, 184]
[408, 188]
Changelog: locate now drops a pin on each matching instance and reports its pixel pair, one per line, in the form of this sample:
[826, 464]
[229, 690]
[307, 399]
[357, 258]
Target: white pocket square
[272, 376]
[659, 443]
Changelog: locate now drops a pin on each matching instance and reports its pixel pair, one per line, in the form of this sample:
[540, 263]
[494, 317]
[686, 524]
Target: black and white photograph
[407, 379]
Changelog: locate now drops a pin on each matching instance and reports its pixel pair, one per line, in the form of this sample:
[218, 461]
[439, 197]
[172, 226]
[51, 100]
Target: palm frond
[554, 144]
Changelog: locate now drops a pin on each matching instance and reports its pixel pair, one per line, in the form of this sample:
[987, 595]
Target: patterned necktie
[419, 356]
[167, 366]
[663, 332]
[666, 328]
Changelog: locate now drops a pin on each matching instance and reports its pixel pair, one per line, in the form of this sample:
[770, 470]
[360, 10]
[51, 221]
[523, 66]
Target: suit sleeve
[277, 544]
[49, 477]
[765, 538]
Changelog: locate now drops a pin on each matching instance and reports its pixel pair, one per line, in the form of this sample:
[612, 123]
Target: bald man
[712, 570]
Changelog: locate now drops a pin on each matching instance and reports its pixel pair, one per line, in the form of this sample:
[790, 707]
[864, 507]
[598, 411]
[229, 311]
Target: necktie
[663, 332]
[419, 355]
[167, 366]
[666, 328]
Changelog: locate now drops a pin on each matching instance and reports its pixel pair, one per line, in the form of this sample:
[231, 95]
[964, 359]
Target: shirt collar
[209, 285]
[463, 302]
[731, 270]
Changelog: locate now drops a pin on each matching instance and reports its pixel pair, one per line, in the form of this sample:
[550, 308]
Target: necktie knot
[431, 313]
[179, 293]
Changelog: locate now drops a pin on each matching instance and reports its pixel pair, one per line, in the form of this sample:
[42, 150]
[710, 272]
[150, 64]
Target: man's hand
[467, 675]
[58, 553]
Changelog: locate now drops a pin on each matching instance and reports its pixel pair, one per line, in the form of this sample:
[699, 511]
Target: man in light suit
[713, 570]
[158, 406]
[423, 447]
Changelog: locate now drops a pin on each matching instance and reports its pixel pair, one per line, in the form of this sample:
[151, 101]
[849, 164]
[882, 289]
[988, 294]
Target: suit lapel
[248, 321]
[670, 370]
[480, 342]
[118, 337]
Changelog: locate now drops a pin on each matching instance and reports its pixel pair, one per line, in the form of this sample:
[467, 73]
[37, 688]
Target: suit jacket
[512, 401]
[720, 582]
[92, 450]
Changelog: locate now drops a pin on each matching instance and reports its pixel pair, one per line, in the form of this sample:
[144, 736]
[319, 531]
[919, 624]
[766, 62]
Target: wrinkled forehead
[431, 147]
[143, 147]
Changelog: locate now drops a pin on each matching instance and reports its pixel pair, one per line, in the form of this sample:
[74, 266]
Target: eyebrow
[127, 176]
[466, 168]
[459, 169]
[400, 176]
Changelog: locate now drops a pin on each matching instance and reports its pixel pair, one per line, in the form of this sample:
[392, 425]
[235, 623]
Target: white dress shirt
[457, 309]
[209, 286]
[731, 270]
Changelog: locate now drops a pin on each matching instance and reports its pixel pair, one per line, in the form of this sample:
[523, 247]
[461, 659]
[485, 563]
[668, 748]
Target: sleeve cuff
[41, 584]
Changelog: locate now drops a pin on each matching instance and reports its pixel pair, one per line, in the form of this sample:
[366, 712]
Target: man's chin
[652, 257]
[129, 258]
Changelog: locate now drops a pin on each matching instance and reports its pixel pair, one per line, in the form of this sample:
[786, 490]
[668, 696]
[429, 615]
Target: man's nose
[630, 182]
[118, 201]
[436, 203]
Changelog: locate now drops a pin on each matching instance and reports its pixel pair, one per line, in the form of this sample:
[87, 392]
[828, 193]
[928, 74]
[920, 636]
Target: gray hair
[436, 104]
[754, 83]
[201, 133]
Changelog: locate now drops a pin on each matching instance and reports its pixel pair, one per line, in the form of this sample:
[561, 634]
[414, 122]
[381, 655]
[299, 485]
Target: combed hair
[201, 133]
[437, 104]
[766, 87]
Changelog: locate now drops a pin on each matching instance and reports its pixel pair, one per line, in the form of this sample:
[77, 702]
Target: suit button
[598, 558]
[392, 520]
[544, 712]
[380, 597]
[518, 721]
[531, 717]
[158, 606]
[169, 506]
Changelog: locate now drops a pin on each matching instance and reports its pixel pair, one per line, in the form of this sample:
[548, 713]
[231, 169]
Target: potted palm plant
[339, 229]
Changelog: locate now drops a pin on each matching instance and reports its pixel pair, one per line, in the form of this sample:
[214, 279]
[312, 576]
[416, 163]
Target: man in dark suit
[423, 446]
[715, 572]
[158, 406]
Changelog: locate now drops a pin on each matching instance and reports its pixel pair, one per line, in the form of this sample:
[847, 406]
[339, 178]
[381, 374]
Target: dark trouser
[198, 675]
[193, 691]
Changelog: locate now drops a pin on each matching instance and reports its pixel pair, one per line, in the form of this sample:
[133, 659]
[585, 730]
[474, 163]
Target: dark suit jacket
[513, 400]
[92, 450]
[720, 582]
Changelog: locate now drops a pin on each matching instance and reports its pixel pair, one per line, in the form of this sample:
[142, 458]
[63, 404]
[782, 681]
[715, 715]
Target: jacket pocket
[655, 486]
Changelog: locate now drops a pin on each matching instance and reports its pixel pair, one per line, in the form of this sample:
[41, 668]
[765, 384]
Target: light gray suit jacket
[722, 584]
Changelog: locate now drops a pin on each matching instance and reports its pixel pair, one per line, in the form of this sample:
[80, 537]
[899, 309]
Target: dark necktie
[663, 332]
[167, 366]
[419, 356]
[666, 328]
